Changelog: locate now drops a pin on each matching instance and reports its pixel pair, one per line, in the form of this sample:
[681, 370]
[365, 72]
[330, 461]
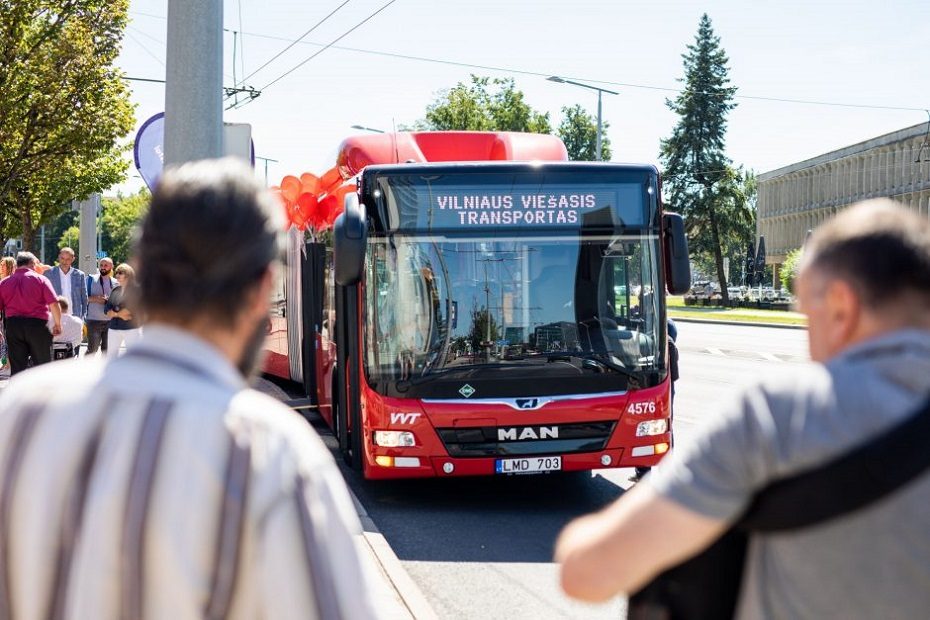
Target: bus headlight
[395, 439]
[652, 427]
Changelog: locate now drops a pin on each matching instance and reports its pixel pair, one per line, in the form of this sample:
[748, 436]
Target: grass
[678, 310]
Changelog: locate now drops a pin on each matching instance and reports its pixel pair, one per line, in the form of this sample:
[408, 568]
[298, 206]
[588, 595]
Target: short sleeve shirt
[874, 562]
[26, 294]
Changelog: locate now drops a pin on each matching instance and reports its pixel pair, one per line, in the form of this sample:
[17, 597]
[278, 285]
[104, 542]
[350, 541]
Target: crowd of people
[43, 307]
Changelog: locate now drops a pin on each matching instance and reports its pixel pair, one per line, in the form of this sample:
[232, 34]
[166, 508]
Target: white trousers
[116, 338]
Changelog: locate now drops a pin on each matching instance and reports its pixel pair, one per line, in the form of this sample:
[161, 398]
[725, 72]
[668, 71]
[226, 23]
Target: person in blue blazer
[69, 282]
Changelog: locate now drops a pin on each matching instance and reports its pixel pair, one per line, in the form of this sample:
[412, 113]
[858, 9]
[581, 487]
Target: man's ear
[845, 311]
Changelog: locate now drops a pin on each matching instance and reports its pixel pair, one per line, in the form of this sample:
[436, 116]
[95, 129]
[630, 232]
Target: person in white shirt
[157, 484]
[72, 328]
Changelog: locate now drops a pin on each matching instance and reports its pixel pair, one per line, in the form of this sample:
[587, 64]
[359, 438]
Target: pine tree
[700, 181]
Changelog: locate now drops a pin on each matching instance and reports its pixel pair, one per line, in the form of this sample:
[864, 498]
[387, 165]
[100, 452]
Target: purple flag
[149, 150]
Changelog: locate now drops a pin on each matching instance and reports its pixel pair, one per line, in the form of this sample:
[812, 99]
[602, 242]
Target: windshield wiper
[598, 358]
[434, 373]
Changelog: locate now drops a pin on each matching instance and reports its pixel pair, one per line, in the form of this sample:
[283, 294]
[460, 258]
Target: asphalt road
[482, 548]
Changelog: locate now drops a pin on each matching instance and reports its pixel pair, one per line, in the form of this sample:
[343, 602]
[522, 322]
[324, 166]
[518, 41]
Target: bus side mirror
[350, 234]
[677, 265]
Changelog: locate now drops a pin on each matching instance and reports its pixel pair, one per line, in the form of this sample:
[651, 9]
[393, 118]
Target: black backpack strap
[854, 480]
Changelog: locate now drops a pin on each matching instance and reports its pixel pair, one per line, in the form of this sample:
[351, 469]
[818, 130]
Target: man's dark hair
[880, 248]
[208, 238]
[25, 259]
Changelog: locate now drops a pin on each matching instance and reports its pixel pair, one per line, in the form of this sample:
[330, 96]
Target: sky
[864, 56]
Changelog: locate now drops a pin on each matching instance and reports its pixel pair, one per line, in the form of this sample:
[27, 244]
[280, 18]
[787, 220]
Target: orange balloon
[309, 183]
[290, 188]
[330, 179]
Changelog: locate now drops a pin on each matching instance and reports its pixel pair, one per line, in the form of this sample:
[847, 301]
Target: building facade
[797, 198]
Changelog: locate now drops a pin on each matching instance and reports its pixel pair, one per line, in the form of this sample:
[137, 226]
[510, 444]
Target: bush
[789, 270]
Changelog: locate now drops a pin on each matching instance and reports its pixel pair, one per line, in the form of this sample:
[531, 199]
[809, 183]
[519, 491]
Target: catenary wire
[514, 71]
[324, 48]
[295, 41]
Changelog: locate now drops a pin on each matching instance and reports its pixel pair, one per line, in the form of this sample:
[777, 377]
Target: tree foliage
[71, 238]
[484, 328]
[484, 105]
[714, 198]
[578, 131]
[118, 220]
[789, 270]
[63, 108]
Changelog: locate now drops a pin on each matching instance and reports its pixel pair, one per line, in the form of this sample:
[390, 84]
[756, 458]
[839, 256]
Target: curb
[394, 574]
[738, 323]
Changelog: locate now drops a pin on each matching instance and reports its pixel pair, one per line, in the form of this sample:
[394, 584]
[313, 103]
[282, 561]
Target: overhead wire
[514, 71]
[324, 48]
[294, 41]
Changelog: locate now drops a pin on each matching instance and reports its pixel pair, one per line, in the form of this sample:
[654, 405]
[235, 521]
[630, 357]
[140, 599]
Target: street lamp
[363, 128]
[555, 78]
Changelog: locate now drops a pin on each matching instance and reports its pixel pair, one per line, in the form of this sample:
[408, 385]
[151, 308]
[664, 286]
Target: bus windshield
[515, 310]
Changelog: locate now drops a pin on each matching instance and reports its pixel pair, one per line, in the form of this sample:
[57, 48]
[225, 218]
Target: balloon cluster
[313, 202]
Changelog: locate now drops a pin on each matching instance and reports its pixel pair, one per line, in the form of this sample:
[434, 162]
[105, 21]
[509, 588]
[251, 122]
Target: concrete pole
[194, 81]
[87, 261]
[598, 145]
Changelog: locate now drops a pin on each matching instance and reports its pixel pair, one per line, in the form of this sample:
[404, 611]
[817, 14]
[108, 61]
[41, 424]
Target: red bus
[487, 317]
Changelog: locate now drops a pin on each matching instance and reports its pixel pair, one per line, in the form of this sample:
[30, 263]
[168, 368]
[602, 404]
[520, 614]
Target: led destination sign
[475, 207]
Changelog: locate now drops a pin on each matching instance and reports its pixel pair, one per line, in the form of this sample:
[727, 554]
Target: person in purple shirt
[26, 300]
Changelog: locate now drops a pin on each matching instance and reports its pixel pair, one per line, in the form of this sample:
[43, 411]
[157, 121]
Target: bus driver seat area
[552, 276]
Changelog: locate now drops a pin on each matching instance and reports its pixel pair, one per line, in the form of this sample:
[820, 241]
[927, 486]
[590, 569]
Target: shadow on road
[488, 519]
[480, 519]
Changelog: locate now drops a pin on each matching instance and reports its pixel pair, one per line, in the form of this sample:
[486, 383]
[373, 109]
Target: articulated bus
[488, 317]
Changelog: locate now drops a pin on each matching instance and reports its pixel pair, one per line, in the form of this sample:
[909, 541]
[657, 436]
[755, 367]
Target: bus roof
[357, 152]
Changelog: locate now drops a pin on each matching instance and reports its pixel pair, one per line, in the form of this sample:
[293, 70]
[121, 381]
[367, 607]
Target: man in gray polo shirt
[99, 288]
[865, 288]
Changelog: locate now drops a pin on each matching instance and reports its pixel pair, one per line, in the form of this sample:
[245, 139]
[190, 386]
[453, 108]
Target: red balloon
[306, 204]
[326, 210]
[290, 188]
[340, 201]
[298, 219]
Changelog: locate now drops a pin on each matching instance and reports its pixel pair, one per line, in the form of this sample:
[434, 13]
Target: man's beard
[104, 272]
[252, 353]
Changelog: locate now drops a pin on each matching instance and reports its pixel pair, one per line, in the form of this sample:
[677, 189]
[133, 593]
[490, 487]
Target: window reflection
[443, 304]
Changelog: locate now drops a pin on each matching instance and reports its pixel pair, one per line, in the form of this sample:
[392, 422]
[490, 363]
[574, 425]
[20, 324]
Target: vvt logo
[404, 418]
[527, 403]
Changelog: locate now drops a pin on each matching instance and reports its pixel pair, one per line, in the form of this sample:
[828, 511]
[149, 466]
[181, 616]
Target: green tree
[484, 105]
[789, 270]
[118, 220]
[63, 109]
[71, 238]
[484, 329]
[578, 131]
[700, 183]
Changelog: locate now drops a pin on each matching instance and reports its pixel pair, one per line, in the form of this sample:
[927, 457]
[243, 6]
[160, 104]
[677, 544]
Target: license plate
[530, 465]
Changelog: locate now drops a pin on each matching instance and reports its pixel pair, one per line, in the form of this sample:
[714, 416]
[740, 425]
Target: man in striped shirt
[157, 484]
